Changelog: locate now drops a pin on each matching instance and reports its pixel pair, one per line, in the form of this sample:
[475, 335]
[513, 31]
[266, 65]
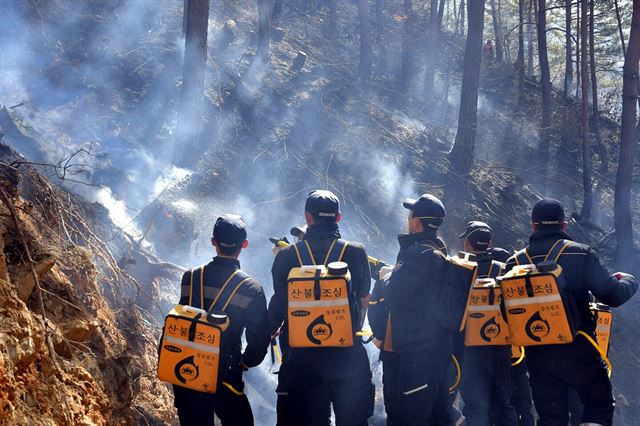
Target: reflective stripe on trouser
[411, 385]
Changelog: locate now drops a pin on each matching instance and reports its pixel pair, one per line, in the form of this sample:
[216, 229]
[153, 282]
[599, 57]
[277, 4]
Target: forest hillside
[127, 128]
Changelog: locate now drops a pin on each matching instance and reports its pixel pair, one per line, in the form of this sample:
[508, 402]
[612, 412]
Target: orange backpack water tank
[485, 325]
[189, 351]
[319, 313]
[604, 317]
[537, 302]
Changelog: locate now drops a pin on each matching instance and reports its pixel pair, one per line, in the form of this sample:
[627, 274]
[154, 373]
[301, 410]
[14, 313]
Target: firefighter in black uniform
[310, 376]
[415, 367]
[247, 311]
[554, 369]
[521, 398]
[486, 385]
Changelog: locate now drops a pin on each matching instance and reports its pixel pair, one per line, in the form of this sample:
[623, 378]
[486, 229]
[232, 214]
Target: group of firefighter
[430, 314]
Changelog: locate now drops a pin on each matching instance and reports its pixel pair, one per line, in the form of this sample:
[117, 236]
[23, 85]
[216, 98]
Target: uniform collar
[407, 240]
[323, 232]
[548, 235]
[228, 261]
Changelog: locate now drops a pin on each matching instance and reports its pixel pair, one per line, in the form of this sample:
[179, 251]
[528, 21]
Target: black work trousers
[554, 369]
[487, 386]
[521, 398]
[198, 409]
[414, 387]
[311, 378]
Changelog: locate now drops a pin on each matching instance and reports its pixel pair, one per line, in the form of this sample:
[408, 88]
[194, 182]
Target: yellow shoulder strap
[556, 250]
[326, 258]
[313, 259]
[191, 288]
[222, 289]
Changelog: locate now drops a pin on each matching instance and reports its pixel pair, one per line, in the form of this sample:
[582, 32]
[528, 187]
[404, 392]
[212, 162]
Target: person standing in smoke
[555, 369]
[247, 312]
[298, 233]
[309, 376]
[417, 350]
[486, 378]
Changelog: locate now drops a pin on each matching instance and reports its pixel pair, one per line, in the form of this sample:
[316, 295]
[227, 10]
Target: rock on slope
[102, 368]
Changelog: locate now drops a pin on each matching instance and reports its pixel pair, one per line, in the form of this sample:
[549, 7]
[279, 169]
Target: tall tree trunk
[379, 20]
[408, 47]
[382, 51]
[366, 51]
[520, 58]
[568, 58]
[332, 18]
[185, 6]
[587, 205]
[441, 14]
[628, 141]
[602, 149]
[462, 12]
[530, 39]
[545, 77]
[264, 16]
[619, 20]
[495, 17]
[456, 17]
[277, 12]
[461, 155]
[195, 61]
[432, 46]
[578, 46]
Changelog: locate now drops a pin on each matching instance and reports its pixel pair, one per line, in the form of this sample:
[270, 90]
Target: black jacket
[583, 273]
[319, 238]
[411, 290]
[247, 311]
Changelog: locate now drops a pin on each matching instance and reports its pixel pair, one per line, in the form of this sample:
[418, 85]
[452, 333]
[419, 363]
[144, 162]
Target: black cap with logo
[478, 234]
[230, 232]
[323, 205]
[548, 212]
[427, 208]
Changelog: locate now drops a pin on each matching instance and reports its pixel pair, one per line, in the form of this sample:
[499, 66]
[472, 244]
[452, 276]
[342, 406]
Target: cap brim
[463, 235]
[409, 203]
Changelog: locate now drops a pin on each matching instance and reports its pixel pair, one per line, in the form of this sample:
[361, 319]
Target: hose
[519, 360]
[600, 351]
[456, 383]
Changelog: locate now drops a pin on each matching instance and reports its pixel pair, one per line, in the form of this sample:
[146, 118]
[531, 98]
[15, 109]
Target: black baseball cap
[323, 205]
[478, 234]
[425, 207]
[548, 212]
[230, 232]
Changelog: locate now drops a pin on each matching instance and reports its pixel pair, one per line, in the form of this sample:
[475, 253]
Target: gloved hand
[276, 247]
[624, 275]
[385, 272]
